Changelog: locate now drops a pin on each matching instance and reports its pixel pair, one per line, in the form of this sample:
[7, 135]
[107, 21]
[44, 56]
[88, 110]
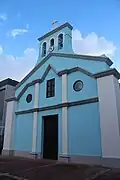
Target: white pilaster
[36, 95]
[109, 104]
[35, 117]
[64, 131]
[9, 126]
[64, 88]
[64, 117]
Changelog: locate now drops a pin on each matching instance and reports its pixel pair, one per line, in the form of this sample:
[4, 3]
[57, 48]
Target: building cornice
[68, 104]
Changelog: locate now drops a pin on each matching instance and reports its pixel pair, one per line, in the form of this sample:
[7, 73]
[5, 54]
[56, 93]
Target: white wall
[8, 126]
[109, 104]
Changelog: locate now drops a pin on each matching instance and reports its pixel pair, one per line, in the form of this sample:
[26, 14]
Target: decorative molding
[68, 71]
[27, 111]
[61, 73]
[85, 57]
[108, 73]
[69, 104]
[36, 81]
[8, 81]
[3, 89]
[28, 85]
[11, 99]
[34, 70]
[47, 71]
[74, 56]
[86, 101]
[55, 30]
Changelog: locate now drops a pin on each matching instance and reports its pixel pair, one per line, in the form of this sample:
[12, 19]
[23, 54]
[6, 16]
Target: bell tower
[59, 40]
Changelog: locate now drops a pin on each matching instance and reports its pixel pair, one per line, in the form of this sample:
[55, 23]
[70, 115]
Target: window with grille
[50, 88]
[44, 49]
[51, 42]
[60, 41]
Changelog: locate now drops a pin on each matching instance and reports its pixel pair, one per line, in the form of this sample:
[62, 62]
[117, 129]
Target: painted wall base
[85, 159]
[7, 152]
[25, 154]
[63, 158]
[91, 160]
[111, 162]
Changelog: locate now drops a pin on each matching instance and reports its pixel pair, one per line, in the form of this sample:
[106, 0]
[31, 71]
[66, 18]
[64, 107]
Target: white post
[109, 104]
[35, 118]
[64, 117]
[7, 146]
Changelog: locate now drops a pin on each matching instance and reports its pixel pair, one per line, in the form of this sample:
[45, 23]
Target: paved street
[27, 169]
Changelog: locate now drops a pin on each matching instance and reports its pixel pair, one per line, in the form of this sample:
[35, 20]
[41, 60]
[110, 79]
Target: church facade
[67, 108]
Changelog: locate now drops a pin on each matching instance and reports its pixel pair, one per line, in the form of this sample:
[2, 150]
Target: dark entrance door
[50, 143]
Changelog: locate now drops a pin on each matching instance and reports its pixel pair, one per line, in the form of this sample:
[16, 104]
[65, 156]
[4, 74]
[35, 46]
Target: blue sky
[96, 24]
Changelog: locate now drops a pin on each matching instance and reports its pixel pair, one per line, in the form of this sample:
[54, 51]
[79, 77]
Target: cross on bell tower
[54, 24]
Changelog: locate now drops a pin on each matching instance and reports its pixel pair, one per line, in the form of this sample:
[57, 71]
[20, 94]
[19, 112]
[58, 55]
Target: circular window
[78, 85]
[29, 98]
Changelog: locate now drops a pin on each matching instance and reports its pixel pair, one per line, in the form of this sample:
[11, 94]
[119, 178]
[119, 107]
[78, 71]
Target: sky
[96, 30]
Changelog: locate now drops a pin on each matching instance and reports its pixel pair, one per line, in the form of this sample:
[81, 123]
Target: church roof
[55, 30]
[108, 72]
[8, 81]
[74, 56]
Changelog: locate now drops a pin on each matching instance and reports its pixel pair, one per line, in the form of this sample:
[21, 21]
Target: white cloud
[3, 17]
[1, 50]
[18, 67]
[18, 32]
[92, 44]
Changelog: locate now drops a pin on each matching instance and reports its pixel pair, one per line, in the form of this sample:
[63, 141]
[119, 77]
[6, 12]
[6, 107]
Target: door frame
[42, 132]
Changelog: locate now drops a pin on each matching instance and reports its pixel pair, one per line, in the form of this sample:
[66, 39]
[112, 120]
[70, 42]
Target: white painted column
[7, 146]
[109, 105]
[64, 117]
[35, 118]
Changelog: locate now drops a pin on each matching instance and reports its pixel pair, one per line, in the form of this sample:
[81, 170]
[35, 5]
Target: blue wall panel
[84, 130]
[89, 87]
[23, 132]
[22, 103]
[43, 101]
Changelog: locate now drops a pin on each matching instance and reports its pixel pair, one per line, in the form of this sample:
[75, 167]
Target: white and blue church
[67, 108]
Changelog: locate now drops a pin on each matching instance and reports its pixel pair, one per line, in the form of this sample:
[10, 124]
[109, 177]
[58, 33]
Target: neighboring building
[7, 87]
[67, 107]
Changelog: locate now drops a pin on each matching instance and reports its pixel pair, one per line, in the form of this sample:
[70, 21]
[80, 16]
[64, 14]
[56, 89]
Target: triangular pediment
[37, 80]
[74, 56]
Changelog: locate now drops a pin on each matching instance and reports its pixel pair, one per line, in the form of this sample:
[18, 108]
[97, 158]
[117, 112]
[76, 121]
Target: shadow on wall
[1, 143]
